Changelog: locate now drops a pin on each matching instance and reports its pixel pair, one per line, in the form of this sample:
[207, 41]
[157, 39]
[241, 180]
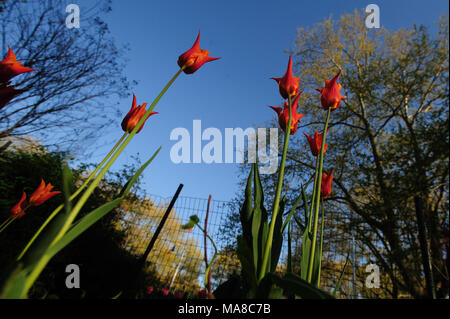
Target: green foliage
[249, 250]
[98, 251]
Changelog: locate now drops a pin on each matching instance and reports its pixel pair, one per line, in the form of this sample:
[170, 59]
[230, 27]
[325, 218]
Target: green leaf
[292, 284]
[15, 286]
[338, 284]
[277, 241]
[248, 269]
[87, 221]
[289, 257]
[247, 210]
[81, 226]
[306, 250]
[259, 218]
[38, 249]
[305, 205]
[291, 213]
[299, 224]
[267, 289]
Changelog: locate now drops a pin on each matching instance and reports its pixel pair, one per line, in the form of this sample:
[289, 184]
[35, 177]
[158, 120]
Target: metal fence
[178, 255]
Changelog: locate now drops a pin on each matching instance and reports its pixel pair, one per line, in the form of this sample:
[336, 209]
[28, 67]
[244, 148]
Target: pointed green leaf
[292, 284]
[277, 241]
[338, 284]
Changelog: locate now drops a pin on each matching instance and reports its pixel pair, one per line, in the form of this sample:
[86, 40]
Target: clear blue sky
[251, 38]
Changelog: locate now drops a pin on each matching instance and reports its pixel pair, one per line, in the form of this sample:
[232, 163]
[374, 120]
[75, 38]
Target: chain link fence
[177, 257]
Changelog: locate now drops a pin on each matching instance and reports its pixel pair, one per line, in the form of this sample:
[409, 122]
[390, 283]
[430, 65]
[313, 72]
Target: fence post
[161, 225]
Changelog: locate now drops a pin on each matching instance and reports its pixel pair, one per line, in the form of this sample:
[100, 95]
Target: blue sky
[251, 38]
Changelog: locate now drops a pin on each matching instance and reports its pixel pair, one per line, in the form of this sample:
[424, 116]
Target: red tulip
[19, 209]
[7, 93]
[42, 194]
[134, 116]
[283, 115]
[149, 290]
[194, 58]
[325, 187]
[316, 143]
[289, 84]
[331, 98]
[165, 291]
[10, 67]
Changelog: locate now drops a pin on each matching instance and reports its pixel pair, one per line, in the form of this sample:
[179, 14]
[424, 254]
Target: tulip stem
[276, 203]
[314, 195]
[58, 209]
[7, 222]
[321, 242]
[73, 213]
[317, 199]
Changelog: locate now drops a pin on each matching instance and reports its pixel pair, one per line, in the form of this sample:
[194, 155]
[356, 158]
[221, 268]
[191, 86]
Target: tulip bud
[288, 84]
[133, 117]
[316, 143]
[194, 58]
[325, 186]
[283, 115]
[331, 98]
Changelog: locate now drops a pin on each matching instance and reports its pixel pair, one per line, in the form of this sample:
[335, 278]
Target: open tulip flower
[325, 188]
[289, 84]
[134, 116]
[316, 143]
[331, 98]
[42, 194]
[194, 58]
[283, 115]
[10, 67]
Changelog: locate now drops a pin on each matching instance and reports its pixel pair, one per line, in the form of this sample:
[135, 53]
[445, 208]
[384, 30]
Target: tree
[388, 144]
[78, 71]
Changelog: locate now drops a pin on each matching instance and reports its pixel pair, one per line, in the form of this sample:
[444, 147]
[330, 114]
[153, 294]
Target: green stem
[314, 194]
[317, 198]
[5, 222]
[276, 203]
[58, 209]
[45, 259]
[321, 243]
[212, 259]
[8, 221]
